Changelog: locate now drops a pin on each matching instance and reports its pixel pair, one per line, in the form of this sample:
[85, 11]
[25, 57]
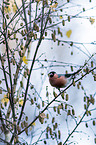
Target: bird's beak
[48, 75]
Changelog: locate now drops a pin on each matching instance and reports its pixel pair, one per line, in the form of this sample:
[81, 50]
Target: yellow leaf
[21, 102]
[60, 17]
[79, 116]
[14, 8]
[34, 124]
[25, 60]
[68, 33]
[7, 9]
[5, 99]
[54, 6]
[91, 20]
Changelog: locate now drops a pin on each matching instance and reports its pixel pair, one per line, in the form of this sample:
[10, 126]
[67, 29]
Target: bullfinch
[61, 80]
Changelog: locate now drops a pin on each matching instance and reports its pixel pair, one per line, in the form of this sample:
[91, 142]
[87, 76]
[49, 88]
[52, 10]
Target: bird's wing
[68, 75]
[65, 75]
[59, 75]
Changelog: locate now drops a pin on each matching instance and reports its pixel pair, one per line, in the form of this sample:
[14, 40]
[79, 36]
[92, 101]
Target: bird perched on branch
[61, 80]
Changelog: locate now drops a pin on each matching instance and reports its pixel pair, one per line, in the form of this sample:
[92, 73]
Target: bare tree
[24, 23]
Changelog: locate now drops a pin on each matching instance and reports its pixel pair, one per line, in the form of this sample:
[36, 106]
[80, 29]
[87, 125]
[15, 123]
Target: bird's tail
[72, 74]
[77, 72]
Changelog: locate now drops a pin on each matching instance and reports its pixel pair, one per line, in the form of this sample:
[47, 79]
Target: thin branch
[77, 124]
[32, 68]
[3, 124]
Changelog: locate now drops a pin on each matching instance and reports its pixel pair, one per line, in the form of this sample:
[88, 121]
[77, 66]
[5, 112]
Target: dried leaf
[21, 102]
[68, 33]
[91, 20]
[5, 99]
[25, 60]
[14, 8]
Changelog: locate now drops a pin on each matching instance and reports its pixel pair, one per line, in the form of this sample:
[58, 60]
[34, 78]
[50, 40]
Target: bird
[61, 80]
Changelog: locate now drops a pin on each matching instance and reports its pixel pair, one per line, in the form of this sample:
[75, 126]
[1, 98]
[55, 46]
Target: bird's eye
[51, 75]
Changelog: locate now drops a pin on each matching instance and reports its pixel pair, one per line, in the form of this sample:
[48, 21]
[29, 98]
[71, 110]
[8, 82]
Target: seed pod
[25, 74]
[60, 106]
[38, 106]
[59, 134]
[92, 100]
[89, 113]
[87, 70]
[34, 98]
[67, 97]
[47, 135]
[73, 83]
[47, 129]
[69, 112]
[86, 124]
[95, 78]
[73, 112]
[53, 120]
[29, 12]
[58, 42]
[45, 142]
[71, 52]
[58, 30]
[62, 95]
[82, 87]
[58, 110]
[85, 106]
[47, 94]
[18, 128]
[66, 106]
[54, 94]
[26, 118]
[50, 20]
[21, 84]
[50, 131]
[42, 103]
[35, 36]
[53, 37]
[7, 16]
[55, 134]
[61, 34]
[91, 63]
[71, 44]
[22, 124]
[54, 108]
[21, 24]
[93, 122]
[47, 116]
[68, 18]
[45, 33]
[95, 140]
[71, 68]
[84, 99]
[78, 86]
[56, 125]
[0, 91]
[63, 22]
[79, 83]
[26, 131]
[0, 81]
[60, 143]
